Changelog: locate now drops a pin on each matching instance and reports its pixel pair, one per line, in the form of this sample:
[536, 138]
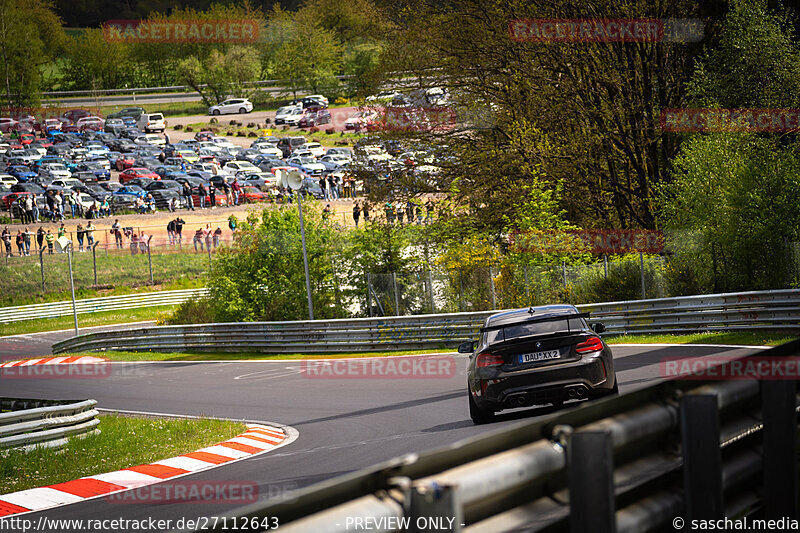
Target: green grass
[123, 442]
[86, 320]
[117, 273]
[744, 338]
[250, 356]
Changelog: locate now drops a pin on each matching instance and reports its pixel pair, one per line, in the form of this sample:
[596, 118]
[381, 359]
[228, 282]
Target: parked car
[114, 125]
[148, 122]
[287, 145]
[133, 112]
[90, 123]
[536, 355]
[137, 172]
[252, 194]
[134, 190]
[308, 165]
[314, 148]
[289, 112]
[233, 105]
[21, 172]
[54, 170]
[151, 139]
[315, 118]
[234, 167]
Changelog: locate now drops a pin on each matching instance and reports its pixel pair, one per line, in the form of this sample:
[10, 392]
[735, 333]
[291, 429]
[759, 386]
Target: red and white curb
[257, 440]
[74, 360]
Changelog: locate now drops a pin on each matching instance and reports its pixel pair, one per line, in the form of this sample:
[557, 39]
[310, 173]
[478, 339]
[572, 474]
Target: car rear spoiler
[547, 318]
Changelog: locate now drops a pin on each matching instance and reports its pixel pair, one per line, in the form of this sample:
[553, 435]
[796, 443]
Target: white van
[151, 122]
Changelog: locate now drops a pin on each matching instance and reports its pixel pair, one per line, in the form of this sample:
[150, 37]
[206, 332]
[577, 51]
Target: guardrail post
[527, 288]
[702, 458]
[564, 273]
[780, 445]
[605, 266]
[369, 295]
[590, 469]
[435, 507]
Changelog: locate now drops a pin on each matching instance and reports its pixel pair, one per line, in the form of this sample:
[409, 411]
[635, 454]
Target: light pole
[295, 181]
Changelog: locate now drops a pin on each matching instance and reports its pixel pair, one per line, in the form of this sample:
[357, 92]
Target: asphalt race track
[343, 424]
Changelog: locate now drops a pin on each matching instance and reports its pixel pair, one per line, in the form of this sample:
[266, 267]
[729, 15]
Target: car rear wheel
[242, 110]
[478, 415]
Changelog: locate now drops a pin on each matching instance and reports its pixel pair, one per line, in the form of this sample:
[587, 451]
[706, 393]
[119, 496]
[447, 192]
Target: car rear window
[157, 117]
[527, 329]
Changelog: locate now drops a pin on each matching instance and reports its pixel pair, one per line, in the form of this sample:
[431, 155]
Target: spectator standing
[365, 210]
[62, 231]
[35, 209]
[410, 211]
[116, 230]
[171, 232]
[90, 234]
[29, 209]
[6, 236]
[217, 235]
[40, 237]
[212, 194]
[144, 242]
[389, 210]
[201, 192]
[81, 234]
[237, 190]
[356, 212]
[20, 243]
[323, 184]
[207, 235]
[134, 246]
[50, 238]
[232, 223]
[226, 187]
[198, 239]
[187, 193]
[179, 222]
[26, 237]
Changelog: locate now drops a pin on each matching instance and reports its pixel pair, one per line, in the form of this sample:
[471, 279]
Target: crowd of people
[57, 206]
[84, 234]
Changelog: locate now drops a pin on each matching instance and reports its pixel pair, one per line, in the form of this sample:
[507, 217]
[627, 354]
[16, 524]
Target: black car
[95, 191]
[534, 356]
[160, 185]
[288, 144]
[162, 198]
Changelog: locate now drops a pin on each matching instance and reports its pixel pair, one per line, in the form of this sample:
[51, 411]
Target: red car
[9, 199]
[140, 172]
[27, 138]
[124, 162]
[253, 194]
[219, 198]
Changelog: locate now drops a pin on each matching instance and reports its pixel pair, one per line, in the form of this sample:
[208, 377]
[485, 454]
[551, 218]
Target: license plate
[539, 356]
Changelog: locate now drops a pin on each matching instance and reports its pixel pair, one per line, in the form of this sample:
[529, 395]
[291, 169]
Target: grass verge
[123, 442]
[85, 320]
[733, 337]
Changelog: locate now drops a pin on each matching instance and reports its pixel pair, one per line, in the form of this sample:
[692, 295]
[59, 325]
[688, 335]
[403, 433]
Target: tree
[96, 62]
[219, 75]
[262, 277]
[30, 38]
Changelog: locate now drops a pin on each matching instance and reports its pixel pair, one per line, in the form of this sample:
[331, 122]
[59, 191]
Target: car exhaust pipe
[580, 392]
[571, 392]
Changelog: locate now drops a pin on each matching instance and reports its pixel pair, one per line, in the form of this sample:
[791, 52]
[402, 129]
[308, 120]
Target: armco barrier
[650, 460]
[766, 310]
[44, 423]
[97, 305]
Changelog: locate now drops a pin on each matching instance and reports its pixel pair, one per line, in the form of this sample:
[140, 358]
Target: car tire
[215, 112]
[478, 415]
[242, 111]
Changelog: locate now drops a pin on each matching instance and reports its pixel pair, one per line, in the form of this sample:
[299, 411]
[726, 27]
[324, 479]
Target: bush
[624, 281]
[194, 311]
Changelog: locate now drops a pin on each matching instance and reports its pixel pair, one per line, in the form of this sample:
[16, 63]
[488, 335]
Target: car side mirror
[599, 327]
[466, 347]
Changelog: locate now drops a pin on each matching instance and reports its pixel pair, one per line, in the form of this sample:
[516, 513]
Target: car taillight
[487, 359]
[592, 344]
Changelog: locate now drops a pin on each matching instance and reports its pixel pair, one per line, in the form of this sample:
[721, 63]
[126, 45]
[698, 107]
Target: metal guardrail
[30, 424]
[97, 305]
[766, 310]
[651, 460]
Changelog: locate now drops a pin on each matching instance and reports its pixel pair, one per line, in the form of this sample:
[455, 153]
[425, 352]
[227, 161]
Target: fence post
[150, 259]
[702, 458]
[494, 293]
[396, 296]
[435, 501]
[41, 265]
[605, 266]
[369, 295]
[94, 261]
[564, 272]
[430, 290]
[780, 445]
[641, 269]
[461, 294]
[527, 288]
[209, 257]
[590, 469]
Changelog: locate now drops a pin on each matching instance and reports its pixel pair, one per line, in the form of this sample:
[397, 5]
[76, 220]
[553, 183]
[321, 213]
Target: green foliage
[220, 75]
[94, 62]
[261, 277]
